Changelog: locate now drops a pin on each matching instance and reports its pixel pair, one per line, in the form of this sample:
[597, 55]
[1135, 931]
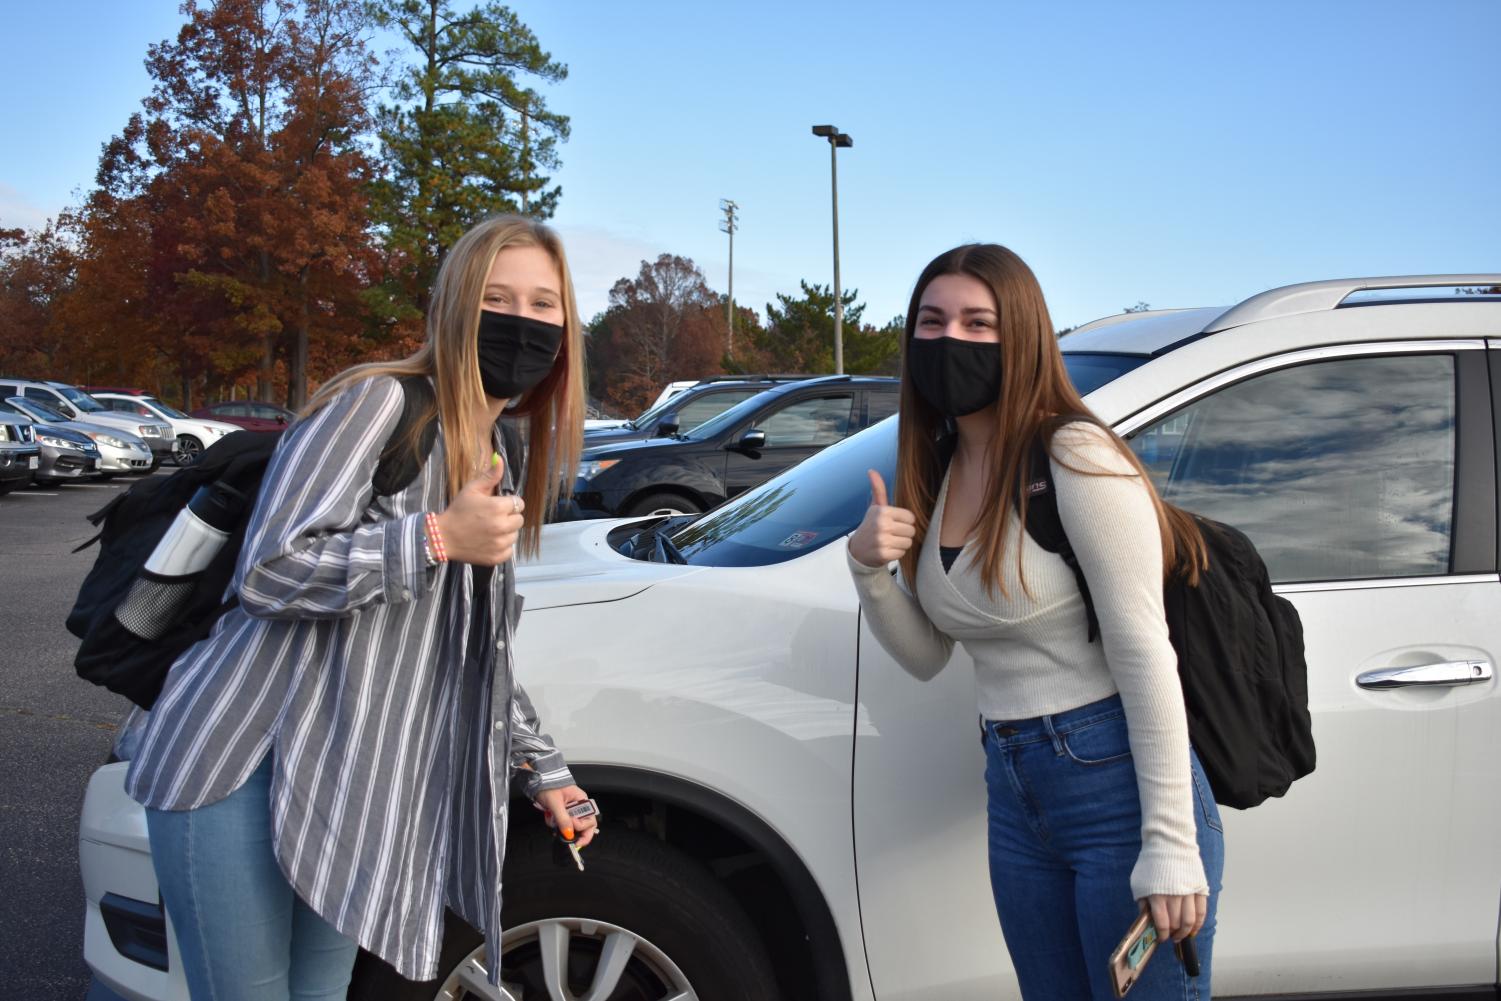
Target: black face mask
[956, 377]
[515, 352]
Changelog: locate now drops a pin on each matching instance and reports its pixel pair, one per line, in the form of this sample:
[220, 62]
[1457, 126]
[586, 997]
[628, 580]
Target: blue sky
[1178, 153]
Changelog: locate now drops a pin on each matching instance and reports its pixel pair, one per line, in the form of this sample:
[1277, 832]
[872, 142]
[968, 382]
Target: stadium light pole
[837, 140]
[729, 224]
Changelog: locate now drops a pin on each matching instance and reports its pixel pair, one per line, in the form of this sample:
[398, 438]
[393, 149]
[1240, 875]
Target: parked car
[731, 713]
[74, 404]
[684, 411]
[64, 454]
[252, 415]
[19, 454]
[119, 451]
[739, 449]
[193, 434]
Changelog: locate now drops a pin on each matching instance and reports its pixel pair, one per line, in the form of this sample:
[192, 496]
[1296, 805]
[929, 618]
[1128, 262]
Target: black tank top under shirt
[949, 554]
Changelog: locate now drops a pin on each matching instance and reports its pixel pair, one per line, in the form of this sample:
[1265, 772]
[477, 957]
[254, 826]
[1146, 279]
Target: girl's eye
[543, 304]
[929, 321]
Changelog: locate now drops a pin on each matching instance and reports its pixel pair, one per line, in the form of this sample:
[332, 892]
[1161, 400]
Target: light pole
[729, 224]
[836, 140]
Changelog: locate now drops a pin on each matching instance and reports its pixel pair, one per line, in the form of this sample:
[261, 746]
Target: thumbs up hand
[886, 533]
[478, 527]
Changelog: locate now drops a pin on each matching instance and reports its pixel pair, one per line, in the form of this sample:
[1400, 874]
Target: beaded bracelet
[435, 548]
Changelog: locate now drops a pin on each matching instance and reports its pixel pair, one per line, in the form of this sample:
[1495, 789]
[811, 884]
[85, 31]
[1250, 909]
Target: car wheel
[6, 488]
[188, 449]
[668, 504]
[156, 464]
[644, 923]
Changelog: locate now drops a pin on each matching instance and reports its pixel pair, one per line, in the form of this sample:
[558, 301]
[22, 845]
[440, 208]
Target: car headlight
[108, 439]
[47, 439]
[593, 467]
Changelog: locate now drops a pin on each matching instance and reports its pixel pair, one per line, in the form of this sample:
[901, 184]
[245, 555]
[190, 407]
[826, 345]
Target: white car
[74, 404]
[193, 434]
[788, 814]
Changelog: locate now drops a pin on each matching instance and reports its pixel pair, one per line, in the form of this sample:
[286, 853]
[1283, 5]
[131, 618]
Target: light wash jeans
[243, 933]
[1065, 831]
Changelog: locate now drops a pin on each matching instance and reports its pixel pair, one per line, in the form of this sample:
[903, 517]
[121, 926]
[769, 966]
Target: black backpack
[166, 616]
[1240, 654]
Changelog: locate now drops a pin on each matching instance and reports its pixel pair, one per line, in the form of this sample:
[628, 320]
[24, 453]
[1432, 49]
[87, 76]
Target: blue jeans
[1065, 832]
[242, 931]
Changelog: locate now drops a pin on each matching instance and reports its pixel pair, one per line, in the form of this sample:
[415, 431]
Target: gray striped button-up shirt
[349, 658]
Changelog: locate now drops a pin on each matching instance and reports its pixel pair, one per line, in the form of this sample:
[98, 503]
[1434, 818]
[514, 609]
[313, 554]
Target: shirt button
[500, 644]
[500, 726]
[406, 595]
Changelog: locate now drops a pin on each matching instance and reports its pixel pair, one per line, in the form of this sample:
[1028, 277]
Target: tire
[155, 465]
[664, 504]
[188, 449]
[690, 937]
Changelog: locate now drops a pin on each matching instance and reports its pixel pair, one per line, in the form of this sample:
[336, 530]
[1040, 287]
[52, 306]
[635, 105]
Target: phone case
[1130, 957]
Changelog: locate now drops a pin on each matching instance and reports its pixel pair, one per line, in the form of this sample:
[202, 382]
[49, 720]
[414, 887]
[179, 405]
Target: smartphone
[1130, 957]
[1188, 955]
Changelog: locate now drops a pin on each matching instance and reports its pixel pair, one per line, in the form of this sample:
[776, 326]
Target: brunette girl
[1097, 806]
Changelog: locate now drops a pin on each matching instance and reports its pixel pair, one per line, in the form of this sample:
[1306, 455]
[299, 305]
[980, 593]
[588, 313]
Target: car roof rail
[1314, 297]
[751, 377]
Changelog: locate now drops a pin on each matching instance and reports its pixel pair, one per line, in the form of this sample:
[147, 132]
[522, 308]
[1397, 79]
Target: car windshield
[36, 410]
[83, 401]
[162, 409]
[650, 416]
[824, 498]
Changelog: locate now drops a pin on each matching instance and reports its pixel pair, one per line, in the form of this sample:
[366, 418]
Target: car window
[129, 406]
[1336, 470]
[880, 404]
[233, 410]
[708, 406]
[9, 389]
[1090, 370]
[809, 423]
[8, 408]
[814, 503]
[38, 393]
[265, 413]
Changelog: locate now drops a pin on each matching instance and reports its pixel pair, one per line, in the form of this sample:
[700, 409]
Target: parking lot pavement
[54, 731]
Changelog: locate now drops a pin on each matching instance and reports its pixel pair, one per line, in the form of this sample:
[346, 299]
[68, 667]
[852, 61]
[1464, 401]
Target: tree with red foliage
[663, 325]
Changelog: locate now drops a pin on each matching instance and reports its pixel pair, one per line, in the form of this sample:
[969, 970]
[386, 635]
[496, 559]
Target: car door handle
[1447, 673]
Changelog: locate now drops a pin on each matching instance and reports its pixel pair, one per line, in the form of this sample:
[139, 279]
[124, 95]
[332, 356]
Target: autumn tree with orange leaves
[227, 236]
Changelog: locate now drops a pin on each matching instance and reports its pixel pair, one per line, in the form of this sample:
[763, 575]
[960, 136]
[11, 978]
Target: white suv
[193, 434]
[788, 814]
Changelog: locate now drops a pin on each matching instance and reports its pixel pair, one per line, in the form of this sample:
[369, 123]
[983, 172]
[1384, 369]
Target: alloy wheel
[570, 959]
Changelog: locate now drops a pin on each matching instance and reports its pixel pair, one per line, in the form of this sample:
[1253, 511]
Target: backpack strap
[401, 463]
[515, 452]
[1046, 527]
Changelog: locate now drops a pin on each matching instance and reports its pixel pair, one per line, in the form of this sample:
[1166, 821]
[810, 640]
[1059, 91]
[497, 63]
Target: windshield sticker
[798, 540]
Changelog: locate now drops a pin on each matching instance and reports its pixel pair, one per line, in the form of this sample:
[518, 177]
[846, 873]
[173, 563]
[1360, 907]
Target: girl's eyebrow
[925, 308]
[502, 287]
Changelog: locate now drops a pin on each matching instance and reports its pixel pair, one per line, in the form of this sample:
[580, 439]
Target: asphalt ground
[54, 731]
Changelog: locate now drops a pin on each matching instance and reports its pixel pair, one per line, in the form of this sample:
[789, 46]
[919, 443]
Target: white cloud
[17, 212]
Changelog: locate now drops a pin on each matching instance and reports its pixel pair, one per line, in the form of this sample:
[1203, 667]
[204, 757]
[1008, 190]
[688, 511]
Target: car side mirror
[68, 411]
[752, 441]
[668, 426]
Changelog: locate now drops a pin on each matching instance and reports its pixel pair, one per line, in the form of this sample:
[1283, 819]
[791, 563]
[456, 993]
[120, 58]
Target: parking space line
[31, 493]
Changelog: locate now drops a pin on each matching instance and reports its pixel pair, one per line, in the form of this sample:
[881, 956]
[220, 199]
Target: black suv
[741, 448]
[688, 409]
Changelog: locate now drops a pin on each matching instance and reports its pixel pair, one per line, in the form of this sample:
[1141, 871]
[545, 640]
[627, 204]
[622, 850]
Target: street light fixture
[837, 141]
[729, 224]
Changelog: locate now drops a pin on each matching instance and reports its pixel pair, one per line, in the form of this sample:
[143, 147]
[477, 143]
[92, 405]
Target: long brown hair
[554, 409]
[1037, 398]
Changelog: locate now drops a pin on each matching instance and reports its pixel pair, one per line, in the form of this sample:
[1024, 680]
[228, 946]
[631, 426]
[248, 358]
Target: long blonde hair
[1037, 397]
[554, 409]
